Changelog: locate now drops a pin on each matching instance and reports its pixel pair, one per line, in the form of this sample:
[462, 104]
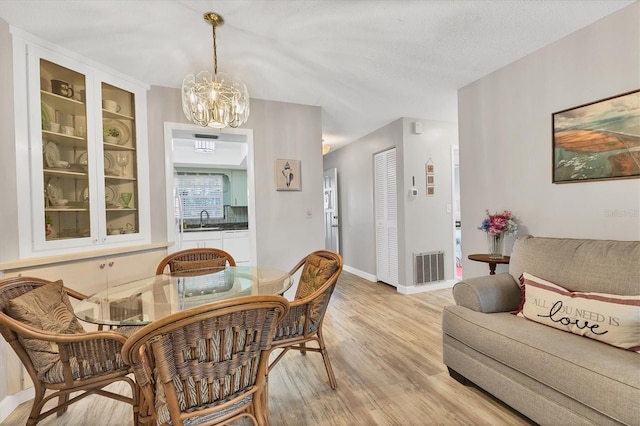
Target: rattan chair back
[303, 323]
[195, 255]
[90, 361]
[208, 363]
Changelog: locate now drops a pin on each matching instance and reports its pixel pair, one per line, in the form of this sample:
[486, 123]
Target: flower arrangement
[499, 223]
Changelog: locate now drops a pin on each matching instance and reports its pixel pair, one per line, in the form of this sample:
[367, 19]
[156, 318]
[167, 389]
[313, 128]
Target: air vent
[428, 267]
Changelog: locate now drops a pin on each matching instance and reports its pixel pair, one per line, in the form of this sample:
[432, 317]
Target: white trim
[413, 289]
[11, 402]
[30, 38]
[361, 274]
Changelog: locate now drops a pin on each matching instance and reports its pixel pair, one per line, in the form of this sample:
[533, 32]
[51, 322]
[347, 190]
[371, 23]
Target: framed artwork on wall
[598, 141]
[287, 173]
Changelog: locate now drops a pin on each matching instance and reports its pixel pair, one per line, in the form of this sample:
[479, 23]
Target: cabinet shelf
[66, 173]
[116, 115]
[65, 210]
[114, 147]
[58, 102]
[66, 140]
[119, 179]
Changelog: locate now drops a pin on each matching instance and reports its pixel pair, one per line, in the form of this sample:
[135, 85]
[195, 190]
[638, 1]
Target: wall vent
[428, 267]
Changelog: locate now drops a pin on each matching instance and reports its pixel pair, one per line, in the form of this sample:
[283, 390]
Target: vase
[496, 245]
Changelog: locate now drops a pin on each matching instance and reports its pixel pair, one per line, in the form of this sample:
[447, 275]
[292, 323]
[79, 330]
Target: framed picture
[287, 174]
[598, 141]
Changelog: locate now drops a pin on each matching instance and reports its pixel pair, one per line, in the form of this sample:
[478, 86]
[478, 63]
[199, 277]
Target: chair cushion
[47, 308]
[315, 273]
[190, 265]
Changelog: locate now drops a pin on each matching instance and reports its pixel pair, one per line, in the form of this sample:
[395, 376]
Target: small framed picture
[430, 179]
[431, 191]
[287, 175]
[430, 168]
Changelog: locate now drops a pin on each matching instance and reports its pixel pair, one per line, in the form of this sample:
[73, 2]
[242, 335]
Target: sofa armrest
[492, 293]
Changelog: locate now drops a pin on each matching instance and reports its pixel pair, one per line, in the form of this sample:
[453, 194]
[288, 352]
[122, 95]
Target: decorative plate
[109, 162]
[44, 114]
[111, 194]
[116, 129]
[82, 159]
[54, 191]
[51, 154]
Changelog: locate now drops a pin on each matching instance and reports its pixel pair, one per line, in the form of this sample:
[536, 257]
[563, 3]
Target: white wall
[284, 233]
[505, 139]
[355, 192]
[428, 224]
[423, 222]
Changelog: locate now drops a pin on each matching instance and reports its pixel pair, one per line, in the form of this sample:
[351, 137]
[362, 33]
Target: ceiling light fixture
[204, 145]
[325, 148]
[217, 100]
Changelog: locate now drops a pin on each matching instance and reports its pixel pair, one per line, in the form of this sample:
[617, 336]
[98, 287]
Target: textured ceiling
[366, 63]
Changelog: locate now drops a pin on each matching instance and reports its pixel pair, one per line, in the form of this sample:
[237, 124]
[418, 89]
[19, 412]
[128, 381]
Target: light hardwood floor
[386, 352]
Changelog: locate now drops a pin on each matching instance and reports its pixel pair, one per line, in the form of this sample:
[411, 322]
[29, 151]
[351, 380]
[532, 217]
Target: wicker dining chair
[193, 259]
[36, 319]
[303, 323]
[206, 364]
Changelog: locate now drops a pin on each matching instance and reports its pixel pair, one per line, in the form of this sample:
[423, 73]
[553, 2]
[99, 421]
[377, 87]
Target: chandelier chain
[215, 52]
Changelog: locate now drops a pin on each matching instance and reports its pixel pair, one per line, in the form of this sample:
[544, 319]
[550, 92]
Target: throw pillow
[47, 308]
[315, 273]
[609, 318]
[191, 265]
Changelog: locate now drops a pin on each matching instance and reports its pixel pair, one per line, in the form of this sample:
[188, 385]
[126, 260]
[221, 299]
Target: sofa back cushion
[603, 266]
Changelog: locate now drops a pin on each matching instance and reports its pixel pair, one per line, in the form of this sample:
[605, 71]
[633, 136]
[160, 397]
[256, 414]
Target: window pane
[198, 192]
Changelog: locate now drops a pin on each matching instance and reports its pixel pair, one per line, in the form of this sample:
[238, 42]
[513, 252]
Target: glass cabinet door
[120, 160]
[65, 165]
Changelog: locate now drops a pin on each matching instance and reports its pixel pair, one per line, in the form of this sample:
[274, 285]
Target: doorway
[457, 233]
[331, 223]
[386, 216]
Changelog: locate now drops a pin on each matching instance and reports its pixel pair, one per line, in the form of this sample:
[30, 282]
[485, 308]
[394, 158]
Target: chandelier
[215, 100]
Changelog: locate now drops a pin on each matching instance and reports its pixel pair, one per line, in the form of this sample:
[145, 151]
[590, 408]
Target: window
[198, 192]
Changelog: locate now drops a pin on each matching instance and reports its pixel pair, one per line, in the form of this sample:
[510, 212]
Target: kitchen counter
[239, 226]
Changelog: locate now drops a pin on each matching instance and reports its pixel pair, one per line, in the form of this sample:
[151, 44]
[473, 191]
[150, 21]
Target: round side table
[492, 262]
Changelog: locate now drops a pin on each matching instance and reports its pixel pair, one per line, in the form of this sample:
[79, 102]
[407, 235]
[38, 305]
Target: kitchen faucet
[205, 212]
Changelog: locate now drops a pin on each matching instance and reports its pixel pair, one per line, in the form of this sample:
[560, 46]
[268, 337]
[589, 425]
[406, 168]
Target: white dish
[82, 159]
[109, 162]
[51, 154]
[111, 127]
[111, 194]
[54, 192]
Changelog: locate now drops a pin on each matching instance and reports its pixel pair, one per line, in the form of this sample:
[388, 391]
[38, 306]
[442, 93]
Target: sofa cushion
[603, 266]
[47, 308]
[600, 376]
[605, 317]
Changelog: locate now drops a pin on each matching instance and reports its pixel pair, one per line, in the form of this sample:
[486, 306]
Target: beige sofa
[549, 375]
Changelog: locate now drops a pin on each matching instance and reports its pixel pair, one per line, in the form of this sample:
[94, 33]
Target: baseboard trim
[11, 402]
[438, 285]
[361, 274]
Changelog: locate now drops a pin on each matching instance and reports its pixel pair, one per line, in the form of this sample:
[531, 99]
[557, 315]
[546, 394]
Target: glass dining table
[143, 301]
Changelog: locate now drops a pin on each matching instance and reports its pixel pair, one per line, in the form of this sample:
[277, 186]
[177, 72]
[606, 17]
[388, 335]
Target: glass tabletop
[143, 301]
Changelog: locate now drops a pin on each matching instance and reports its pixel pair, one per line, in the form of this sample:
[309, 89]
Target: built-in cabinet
[236, 243]
[210, 239]
[239, 195]
[88, 155]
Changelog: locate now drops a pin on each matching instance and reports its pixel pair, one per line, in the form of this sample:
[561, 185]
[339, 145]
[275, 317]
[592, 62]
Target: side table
[492, 262]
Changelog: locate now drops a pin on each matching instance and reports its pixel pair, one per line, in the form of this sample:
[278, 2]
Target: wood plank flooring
[386, 352]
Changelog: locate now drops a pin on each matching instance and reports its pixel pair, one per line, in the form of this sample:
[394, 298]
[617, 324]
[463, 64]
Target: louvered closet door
[386, 208]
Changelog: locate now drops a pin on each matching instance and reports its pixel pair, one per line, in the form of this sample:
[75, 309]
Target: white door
[331, 223]
[386, 207]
